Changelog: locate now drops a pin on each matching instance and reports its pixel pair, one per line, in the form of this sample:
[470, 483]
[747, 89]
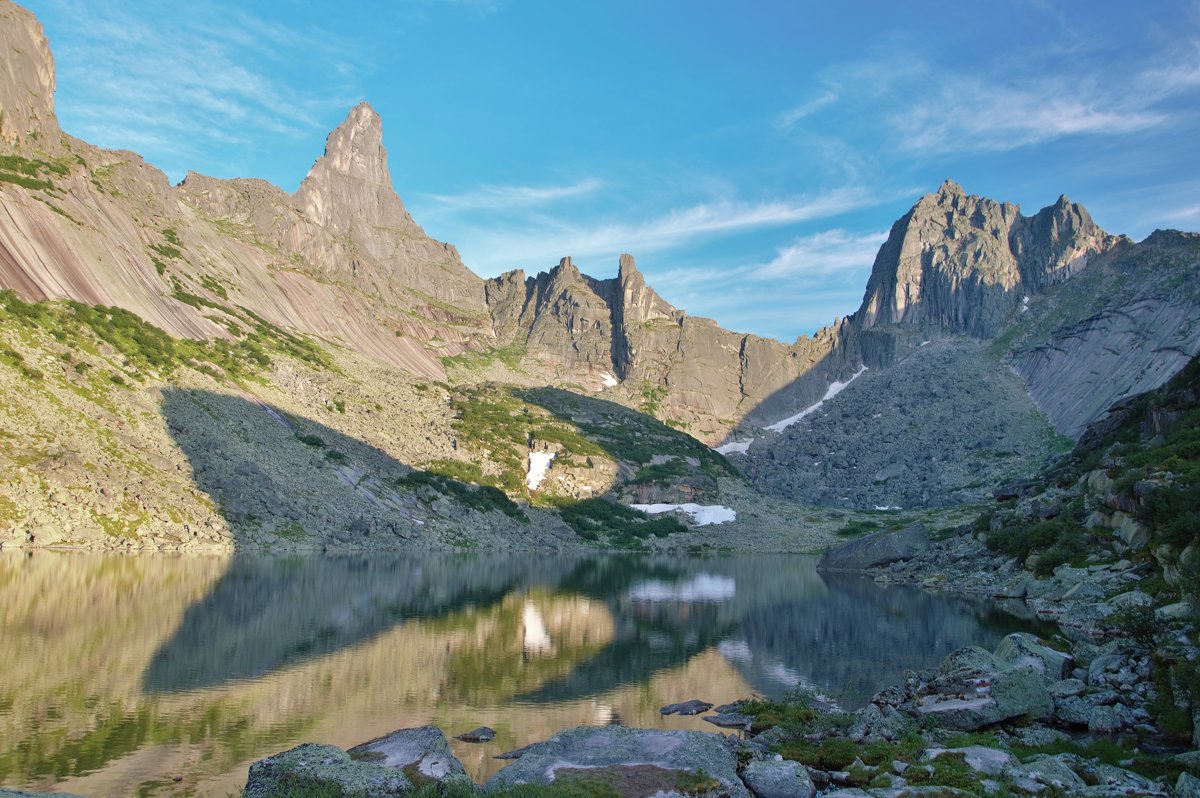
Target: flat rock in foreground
[421, 753]
[322, 769]
[634, 761]
[880, 548]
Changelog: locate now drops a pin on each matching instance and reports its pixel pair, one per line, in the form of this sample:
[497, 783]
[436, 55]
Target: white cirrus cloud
[821, 254]
[213, 77]
[489, 197]
[540, 239]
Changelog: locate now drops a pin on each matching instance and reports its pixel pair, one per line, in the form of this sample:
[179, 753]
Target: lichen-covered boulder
[641, 759]
[322, 768]
[422, 753]
[1020, 648]
[773, 779]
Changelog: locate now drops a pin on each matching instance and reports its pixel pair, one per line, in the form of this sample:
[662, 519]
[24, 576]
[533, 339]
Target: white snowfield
[539, 464]
[834, 389]
[734, 447]
[701, 514]
[702, 587]
[609, 380]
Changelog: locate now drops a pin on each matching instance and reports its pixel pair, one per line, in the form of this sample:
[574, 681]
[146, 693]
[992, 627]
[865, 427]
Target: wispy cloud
[540, 240]
[974, 114]
[511, 197]
[788, 119]
[211, 77]
[795, 290]
[917, 105]
[821, 254]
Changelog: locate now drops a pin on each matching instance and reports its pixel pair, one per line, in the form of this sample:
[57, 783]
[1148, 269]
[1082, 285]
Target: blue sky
[751, 155]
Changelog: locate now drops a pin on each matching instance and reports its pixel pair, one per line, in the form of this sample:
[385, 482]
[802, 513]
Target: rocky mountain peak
[350, 188]
[950, 189]
[26, 80]
[960, 263]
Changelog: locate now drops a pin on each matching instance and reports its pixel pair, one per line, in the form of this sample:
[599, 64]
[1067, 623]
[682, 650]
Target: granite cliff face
[26, 80]
[965, 264]
[1123, 327]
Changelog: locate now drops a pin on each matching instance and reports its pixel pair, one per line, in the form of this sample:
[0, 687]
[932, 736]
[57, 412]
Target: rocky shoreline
[1024, 719]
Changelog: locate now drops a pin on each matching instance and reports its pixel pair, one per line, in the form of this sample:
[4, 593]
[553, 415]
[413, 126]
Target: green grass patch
[511, 356]
[600, 521]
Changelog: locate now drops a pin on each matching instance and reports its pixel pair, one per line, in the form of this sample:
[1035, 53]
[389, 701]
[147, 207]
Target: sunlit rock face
[959, 263]
[26, 81]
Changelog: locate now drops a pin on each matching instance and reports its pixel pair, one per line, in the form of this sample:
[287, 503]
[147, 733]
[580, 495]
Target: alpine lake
[169, 676]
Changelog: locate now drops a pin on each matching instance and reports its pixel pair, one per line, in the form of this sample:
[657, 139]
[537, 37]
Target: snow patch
[1024, 303]
[539, 464]
[734, 447]
[923, 343]
[702, 587]
[834, 389]
[608, 380]
[701, 514]
[887, 507]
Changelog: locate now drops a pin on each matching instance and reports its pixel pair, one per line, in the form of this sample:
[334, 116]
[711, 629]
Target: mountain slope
[1082, 318]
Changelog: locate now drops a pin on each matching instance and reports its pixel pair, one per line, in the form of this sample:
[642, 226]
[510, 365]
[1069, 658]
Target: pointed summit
[950, 189]
[350, 188]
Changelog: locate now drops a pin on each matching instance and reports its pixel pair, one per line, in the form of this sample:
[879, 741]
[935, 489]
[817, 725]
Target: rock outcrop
[878, 549]
[26, 81]
[577, 328]
[959, 263]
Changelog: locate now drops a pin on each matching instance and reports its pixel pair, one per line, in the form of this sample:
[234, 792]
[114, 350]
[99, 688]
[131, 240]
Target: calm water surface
[119, 674]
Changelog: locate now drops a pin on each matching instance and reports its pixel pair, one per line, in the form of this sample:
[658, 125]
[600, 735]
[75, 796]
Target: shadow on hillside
[287, 480]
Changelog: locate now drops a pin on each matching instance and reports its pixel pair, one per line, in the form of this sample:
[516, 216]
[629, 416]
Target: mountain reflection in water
[123, 672]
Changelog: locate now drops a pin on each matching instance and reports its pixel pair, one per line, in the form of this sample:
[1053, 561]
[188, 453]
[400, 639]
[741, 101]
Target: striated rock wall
[1124, 327]
[341, 260]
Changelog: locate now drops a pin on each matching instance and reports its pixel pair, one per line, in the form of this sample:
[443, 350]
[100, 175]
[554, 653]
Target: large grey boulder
[1020, 648]
[1043, 772]
[988, 761]
[1187, 786]
[880, 548]
[422, 753]
[322, 769]
[977, 689]
[619, 754]
[773, 779]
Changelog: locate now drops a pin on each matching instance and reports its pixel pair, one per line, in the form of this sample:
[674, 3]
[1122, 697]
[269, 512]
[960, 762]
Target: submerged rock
[693, 707]
[729, 720]
[482, 734]
[880, 548]
[621, 755]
